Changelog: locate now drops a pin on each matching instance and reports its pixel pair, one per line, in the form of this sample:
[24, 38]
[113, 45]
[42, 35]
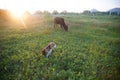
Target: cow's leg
[62, 27]
[55, 25]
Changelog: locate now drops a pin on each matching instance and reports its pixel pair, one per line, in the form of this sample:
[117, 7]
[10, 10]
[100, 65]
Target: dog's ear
[50, 46]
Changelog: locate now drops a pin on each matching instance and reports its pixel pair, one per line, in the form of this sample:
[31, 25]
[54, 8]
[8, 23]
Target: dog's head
[52, 45]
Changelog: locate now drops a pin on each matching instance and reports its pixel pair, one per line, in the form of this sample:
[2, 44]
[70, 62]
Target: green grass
[90, 50]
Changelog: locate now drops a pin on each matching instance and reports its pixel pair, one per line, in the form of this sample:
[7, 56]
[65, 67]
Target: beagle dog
[48, 49]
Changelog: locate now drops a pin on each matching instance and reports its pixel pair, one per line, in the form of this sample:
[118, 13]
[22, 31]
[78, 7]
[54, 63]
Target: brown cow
[60, 21]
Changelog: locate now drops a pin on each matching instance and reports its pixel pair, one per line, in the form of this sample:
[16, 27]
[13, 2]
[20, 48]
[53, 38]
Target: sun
[17, 13]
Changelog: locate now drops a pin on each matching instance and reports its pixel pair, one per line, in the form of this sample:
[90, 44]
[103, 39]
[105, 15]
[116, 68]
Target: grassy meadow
[90, 50]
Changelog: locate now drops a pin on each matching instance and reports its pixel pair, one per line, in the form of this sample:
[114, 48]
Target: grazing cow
[60, 21]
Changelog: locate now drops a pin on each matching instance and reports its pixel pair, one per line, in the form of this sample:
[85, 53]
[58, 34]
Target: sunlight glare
[23, 23]
[17, 13]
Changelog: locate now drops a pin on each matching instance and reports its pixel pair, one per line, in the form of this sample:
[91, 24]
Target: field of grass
[90, 50]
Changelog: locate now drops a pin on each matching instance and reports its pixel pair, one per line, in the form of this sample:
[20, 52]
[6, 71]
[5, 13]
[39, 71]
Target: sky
[19, 6]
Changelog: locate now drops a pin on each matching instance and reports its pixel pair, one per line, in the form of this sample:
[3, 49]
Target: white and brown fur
[48, 49]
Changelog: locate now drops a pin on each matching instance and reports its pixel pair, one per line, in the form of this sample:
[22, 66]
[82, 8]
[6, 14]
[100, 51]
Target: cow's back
[59, 20]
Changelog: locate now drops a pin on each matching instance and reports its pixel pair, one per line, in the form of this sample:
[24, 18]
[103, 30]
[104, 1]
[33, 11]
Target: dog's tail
[43, 52]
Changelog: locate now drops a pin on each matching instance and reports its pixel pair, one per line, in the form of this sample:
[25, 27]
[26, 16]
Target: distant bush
[55, 12]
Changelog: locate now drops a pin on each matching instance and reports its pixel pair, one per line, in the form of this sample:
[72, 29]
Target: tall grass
[88, 51]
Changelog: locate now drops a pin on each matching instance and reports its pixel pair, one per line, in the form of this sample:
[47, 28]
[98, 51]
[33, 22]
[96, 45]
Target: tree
[46, 12]
[55, 12]
[64, 12]
[38, 12]
[27, 13]
[86, 12]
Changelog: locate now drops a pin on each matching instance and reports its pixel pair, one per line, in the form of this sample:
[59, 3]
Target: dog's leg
[49, 53]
